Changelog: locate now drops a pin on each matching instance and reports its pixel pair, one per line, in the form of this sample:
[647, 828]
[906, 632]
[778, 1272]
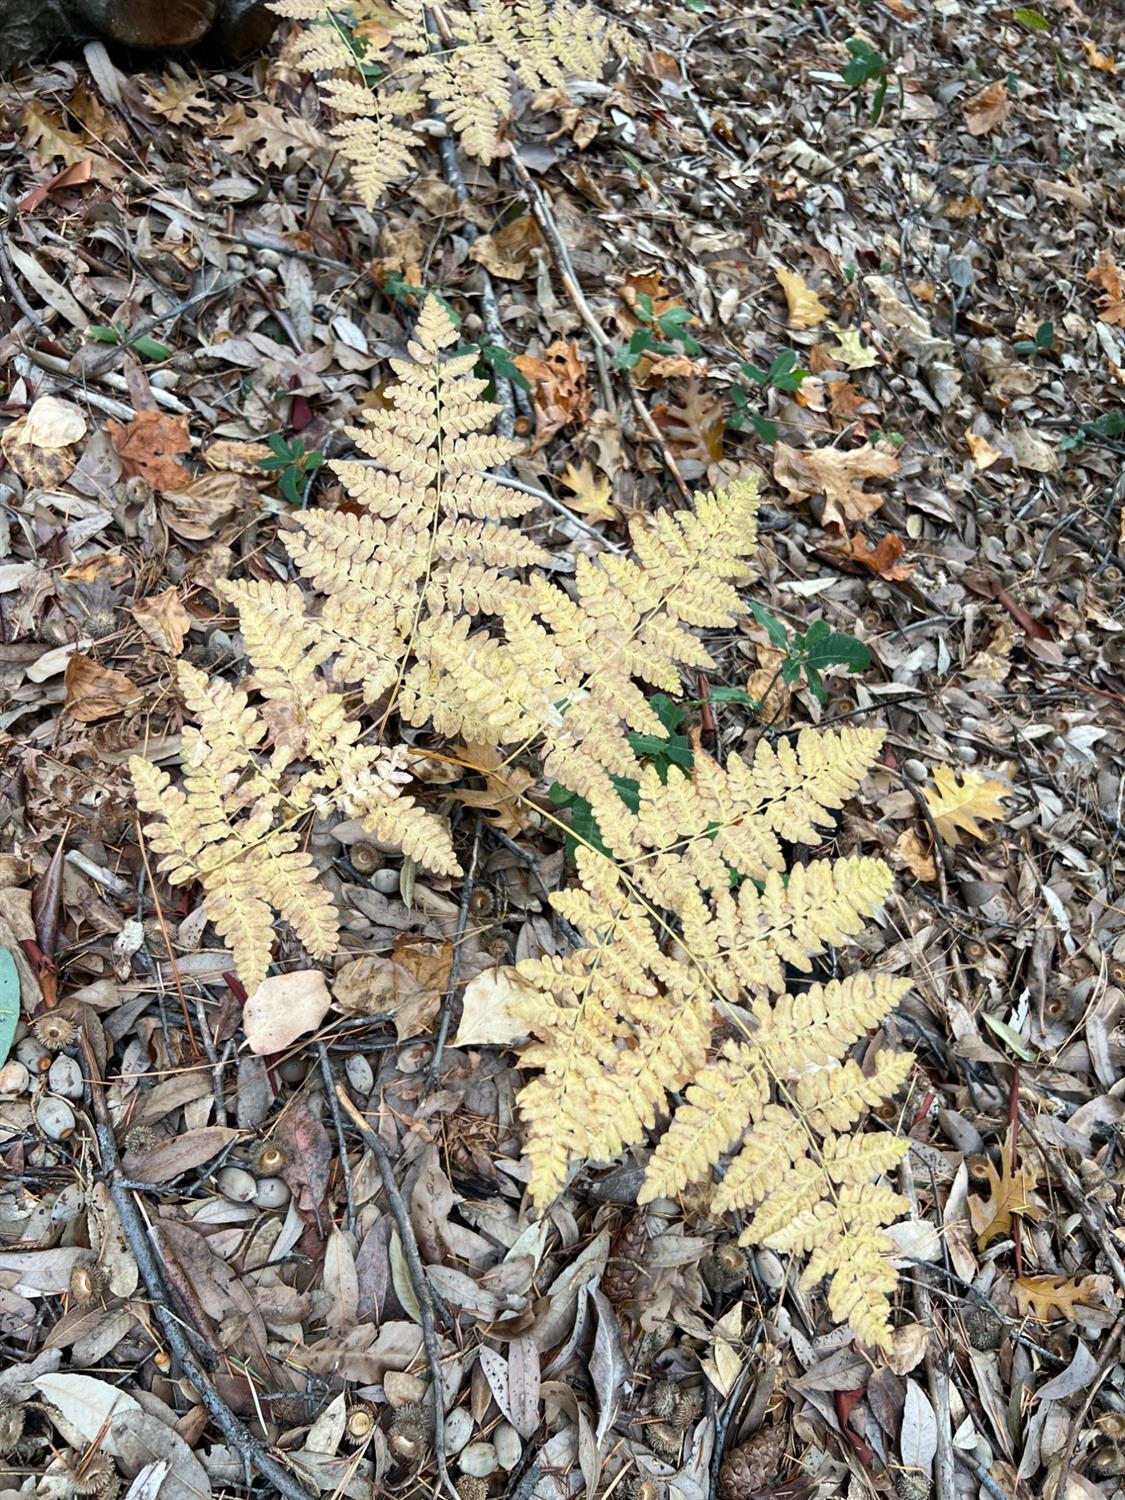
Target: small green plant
[783, 375]
[868, 66]
[294, 465]
[1034, 20]
[662, 754]
[147, 348]
[660, 333]
[1108, 426]
[1042, 343]
[812, 653]
[495, 363]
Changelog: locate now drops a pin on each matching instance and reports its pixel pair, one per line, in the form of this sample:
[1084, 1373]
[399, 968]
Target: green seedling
[294, 466]
[783, 375]
[868, 66]
[1042, 343]
[660, 333]
[147, 348]
[1108, 426]
[810, 654]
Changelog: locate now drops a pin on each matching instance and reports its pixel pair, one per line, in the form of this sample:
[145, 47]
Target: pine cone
[750, 1468]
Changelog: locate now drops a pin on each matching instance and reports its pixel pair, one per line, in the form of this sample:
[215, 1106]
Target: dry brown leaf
[50, 137]
[649, 284]
[911, 852]
[988, 108]
[846, 402]
[231, 456]
[39, 445]
[271, 134]
[94, 692]
[806, 310]
[560, 396]
[164, 620]
[501, 799]
[196, 511]
[1039, 1296]
[1106, 276]
[959, 798]
[408, 984]
[509, 251]
[1098, 60]
[984, 454]
[592, 492]
[182, 101]
[883, 558]
[836, 474]
[694, 424]
[52, 423]
[145, 445]
[1008, 1193]
[284, 1007]
[486, 1009]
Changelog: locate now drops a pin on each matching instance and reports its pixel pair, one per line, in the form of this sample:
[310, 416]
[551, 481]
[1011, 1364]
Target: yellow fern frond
[378, 150]
[833, 1098]
[815, 1027]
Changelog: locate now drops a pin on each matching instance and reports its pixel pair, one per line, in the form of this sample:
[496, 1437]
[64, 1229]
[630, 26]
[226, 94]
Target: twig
[115, 382]
[173, 315]
[418, 1281]
[1079, 1200]
[337, 1120]
[253, 1452]
[563, 510]
[936, 1364]
[467, 888]
[15, 291]
[545, 218]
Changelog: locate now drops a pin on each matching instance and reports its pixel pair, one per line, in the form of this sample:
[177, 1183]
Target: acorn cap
[54, 1031]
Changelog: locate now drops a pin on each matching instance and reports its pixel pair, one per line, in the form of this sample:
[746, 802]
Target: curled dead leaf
[96, 692]
[837, 475]
[164, 620]
[146, 446]
[988, 108]
[806, 310]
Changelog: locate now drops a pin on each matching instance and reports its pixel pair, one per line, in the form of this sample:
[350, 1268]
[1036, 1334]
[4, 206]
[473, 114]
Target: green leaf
[784, 362]
[1032, 19]
[645, 308]
[9, 1003]
[752, 372]
[101, 334]
[765, 429]
[816, 683]
[819, 631]
[150, 349]
[834, 649]
[278, 445]
[1016, 1042]
[1044, 335]
[291, 484]
[775, 630]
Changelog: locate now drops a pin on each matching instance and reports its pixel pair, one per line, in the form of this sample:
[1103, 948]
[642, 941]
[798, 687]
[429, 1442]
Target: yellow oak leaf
[501, 801]
[958, 798]
[1099, 60]
[806, 310]
[592, 491]
[1038, 1295]
[850, 350]
[984, 454]
[1008, 1193]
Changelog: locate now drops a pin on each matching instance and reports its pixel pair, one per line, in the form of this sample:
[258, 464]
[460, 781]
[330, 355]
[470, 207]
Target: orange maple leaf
[145, 446]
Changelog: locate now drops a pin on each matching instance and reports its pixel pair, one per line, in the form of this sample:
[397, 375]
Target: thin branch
[936, 1361]
[418, 1280]
[467, 888]
[563, 510]
[338, 1122]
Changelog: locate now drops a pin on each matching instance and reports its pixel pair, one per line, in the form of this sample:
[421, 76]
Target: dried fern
[421, 594]
[467, 78]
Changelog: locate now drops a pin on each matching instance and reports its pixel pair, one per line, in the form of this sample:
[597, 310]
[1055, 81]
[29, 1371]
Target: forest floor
[187, 271]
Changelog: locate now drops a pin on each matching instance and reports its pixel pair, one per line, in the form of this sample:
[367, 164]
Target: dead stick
[418, 1281]
[1079, 1200]
[338, 1122]
[245, 1444]
[936, 1363]
[1105, 1364]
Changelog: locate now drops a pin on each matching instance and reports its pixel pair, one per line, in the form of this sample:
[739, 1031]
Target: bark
[34, 28]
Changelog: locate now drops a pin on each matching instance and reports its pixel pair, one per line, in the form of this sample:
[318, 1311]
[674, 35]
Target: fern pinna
[422, 602]
[377, 83]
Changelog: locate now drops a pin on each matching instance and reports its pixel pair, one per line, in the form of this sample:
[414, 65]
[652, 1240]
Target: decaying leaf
[488, 1009]
[284, 1007]
[883, 558]
[1009, 1192]
[592, 492]
[146, 445]
[806, 310]
[501, 800]
[837, 475]
[1107, 277]
[959, 799]
[94, 692]
[850, 351]
[164, 620]
[988, 108]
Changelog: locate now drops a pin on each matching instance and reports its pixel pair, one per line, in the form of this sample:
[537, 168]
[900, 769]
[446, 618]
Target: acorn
[662, 1397]
[470, 1488]
[89, 1282]
[365, 858]
[984, 1327]
[11, 1427]
[409, 1436]
[726, 1268]
[54, 1031]
[359, 1424]
[270, 1159]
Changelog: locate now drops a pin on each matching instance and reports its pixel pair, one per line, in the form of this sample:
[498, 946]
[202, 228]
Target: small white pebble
[237, 1185]
[915, 770]
[272, 1192]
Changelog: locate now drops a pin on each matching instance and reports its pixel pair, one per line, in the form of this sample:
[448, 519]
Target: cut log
[35, 28]
[149, 24]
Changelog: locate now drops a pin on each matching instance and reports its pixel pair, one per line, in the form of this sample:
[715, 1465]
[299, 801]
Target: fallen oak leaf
[1037, 1295]
[883, 558]
[850, 350]
[806, 310]
[988, 108]
[592, 492]
[1009, 1193]
[146, 445]
[837, 475]
[164, 620]
[95, 692]
[958, 803]
[1106, 275]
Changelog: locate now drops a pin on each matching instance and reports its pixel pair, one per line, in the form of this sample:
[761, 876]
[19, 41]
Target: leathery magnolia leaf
[81, 1405]
[609, 1369]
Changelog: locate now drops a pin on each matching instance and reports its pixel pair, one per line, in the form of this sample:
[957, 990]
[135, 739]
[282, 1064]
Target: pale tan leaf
[837, 475]
[806, 310]
[488, 1009]
[959, 798]
[987, 109]
[284, 1007]
[592, 492]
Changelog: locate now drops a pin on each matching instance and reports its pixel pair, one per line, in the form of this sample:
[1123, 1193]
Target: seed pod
[984, 1327]
[359, 1424]
[237, 1185]
[359, 1074]
[54, 1117]
[365, 858]
[409, 1436]
[93, 1474]
[142, 1139]
[912, 1484]
[471, 1488]
[34, 1056]
[88, 1282]
[54, 1031]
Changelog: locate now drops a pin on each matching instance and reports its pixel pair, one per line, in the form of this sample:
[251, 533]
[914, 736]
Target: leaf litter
[946, 485]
